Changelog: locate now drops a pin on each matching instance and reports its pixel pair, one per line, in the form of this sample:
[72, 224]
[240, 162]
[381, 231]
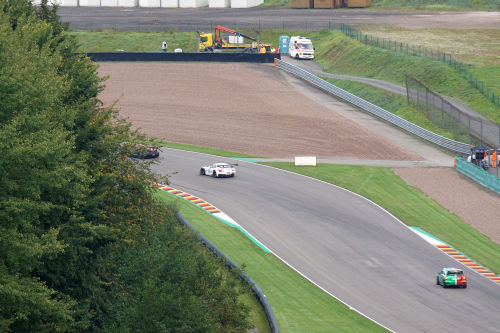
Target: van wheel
[297, 56]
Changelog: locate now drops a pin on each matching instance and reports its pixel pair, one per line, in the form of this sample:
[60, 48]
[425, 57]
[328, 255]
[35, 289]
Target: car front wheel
[437, 281]
[202, 171]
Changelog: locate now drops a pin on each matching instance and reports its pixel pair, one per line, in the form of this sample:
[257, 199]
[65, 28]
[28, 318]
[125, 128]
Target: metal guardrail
[255, 287]
[455, 146]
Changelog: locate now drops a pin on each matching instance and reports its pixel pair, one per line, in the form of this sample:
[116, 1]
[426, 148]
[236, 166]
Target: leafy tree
[84, 244]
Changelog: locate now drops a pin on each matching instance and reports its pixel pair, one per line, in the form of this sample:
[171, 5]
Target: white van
[301, 48]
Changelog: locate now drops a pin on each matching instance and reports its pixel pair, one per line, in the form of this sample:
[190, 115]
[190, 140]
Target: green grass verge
[428, 5]
[298, 305]
[133, 41]
[206, 150]
[340, 54]
[407, 203]
[438, 5]
[257, 316]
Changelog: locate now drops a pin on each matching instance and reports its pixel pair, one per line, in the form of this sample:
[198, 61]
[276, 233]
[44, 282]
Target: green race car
[451, 277]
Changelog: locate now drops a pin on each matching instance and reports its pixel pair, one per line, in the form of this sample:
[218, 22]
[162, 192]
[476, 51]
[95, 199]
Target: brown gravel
[253, 109]
[460, 195]
[239, 107]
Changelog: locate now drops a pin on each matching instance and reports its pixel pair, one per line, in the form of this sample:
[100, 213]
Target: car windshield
[223, 166]
[455, 273]
[304, 46]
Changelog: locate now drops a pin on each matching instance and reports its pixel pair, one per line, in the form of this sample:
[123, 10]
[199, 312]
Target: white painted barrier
[245, 3]
[68, 3]
[127, 3]
[90, 3]
[156, 3]
[109, 3]
[192, 3]
[219, 3]
[150, 3]
[169, 3]
[305, 160]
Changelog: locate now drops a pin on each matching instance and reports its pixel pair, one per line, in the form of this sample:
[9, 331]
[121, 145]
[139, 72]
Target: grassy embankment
[428, 5]
[479, 48]
[434, 5]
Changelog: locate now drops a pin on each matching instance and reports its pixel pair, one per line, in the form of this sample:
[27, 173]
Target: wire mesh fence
[463, 126]
[423, 52]
[249, 24]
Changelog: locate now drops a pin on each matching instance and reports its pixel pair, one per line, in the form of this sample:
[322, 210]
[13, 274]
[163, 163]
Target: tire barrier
[182, 56]
[255, 288]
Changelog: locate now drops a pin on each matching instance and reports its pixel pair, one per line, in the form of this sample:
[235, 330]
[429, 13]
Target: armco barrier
[478, 174]
[455, 146]
[256, 289]
[182, 56]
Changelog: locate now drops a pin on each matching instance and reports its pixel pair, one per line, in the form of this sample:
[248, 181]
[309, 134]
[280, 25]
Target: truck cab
[301, 48]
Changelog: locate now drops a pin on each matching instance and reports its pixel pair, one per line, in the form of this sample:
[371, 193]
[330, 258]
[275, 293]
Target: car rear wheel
[214, 174]
[464, 286]
[202, 171]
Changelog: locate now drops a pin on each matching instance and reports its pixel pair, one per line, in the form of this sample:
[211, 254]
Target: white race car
[218, 170]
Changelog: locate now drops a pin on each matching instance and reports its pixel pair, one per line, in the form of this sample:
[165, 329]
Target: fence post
[442, 113]
[481, 122]
[470, 136]
[426, 102]
[418, 97]
[407, 90]
[433, 110]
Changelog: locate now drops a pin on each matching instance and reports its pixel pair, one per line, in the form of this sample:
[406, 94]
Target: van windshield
[304, 46]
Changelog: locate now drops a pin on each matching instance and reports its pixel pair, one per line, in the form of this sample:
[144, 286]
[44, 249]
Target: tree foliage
[84, 245]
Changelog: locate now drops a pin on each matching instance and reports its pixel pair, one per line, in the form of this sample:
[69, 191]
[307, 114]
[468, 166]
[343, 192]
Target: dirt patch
[460, 195]
[239, 107]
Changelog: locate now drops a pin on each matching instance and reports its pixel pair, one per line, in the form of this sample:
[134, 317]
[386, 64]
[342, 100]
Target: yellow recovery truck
[234, 42]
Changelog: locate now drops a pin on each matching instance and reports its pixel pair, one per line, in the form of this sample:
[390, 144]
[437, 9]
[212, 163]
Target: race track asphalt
[347, 245]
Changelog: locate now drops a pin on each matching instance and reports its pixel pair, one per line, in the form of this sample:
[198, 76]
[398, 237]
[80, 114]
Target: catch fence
[423, 52]
[443, 113]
